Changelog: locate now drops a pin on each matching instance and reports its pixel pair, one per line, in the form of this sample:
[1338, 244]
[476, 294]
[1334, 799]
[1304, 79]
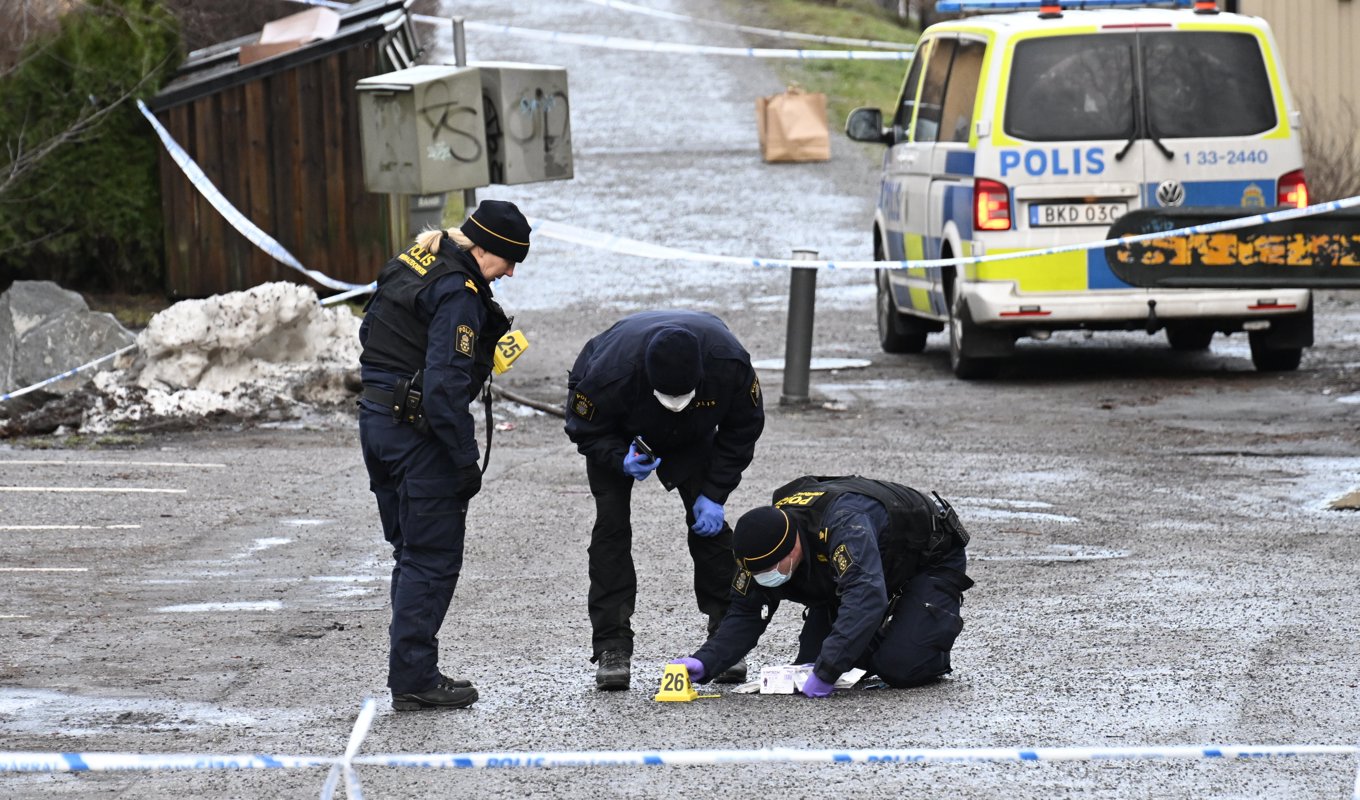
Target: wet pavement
[1155, 556]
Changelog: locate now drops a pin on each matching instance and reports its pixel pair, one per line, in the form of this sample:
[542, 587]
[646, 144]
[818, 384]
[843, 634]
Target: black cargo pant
[613, 579]
[412, 478]
[912, 647]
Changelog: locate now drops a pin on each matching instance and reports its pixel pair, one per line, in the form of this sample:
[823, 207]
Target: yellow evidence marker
[510, 347]
[675, 686]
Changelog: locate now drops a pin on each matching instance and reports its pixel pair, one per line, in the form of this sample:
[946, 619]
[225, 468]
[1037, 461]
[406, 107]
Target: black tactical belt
[380, 397]
[403, 401]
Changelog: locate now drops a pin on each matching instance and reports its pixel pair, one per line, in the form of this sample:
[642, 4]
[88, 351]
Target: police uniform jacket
[609, 401]
[857, 555]
[434, 312]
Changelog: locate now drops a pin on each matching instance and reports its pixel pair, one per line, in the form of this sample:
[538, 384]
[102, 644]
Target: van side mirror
[866, 125]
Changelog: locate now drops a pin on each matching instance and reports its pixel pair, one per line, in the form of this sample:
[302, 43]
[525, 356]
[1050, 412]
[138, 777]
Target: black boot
[613, 672]
[733, 674]
[449, 693]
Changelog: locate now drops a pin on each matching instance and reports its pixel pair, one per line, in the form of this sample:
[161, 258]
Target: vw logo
[1171, 193]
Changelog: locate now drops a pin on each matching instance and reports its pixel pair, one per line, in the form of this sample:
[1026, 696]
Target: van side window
[1189, 75]
[932, 92]
[957, 116]
[902, 119]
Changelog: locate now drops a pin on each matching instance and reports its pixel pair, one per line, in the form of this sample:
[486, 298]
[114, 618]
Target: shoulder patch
[469, 284]
[582, 407]
[755, 391]
[841, 560]
[742, 582]
[464, 340]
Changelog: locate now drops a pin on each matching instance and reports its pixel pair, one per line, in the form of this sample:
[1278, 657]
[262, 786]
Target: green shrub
[84, 209]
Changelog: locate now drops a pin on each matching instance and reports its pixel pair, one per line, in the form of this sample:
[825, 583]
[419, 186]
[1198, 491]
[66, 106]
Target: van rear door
[1217, 128]
[1070, 153]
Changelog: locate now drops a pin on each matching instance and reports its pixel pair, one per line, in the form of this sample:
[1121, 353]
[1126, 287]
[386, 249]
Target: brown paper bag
[792, 126]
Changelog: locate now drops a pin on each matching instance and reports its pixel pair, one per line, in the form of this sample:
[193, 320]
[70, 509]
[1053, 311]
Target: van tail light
[992, 206]
[1293, 189]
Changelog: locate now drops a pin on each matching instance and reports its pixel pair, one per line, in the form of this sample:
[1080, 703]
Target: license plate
[1049, 214]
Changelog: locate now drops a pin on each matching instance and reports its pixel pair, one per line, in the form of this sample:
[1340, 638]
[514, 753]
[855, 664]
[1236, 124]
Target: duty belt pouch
[948, 520]
[406, 406]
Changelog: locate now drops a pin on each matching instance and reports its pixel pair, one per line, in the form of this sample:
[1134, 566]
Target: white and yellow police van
[1040, 127]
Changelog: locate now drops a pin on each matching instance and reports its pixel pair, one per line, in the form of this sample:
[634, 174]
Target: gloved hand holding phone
[639, 462]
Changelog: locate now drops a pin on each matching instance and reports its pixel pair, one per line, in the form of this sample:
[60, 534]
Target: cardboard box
[290, 33]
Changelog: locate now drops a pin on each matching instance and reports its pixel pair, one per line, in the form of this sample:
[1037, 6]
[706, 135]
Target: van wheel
[1187, 338]
[961, 331]
[1273, 359]
[897, 332]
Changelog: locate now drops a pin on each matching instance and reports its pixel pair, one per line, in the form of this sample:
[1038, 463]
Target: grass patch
[132, 311]
[846, 84]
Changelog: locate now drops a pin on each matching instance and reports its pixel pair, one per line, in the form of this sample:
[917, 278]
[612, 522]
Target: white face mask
[772, 578]
[674, 402]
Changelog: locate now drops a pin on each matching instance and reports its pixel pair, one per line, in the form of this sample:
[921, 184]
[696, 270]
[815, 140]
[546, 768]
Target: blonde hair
[430, 238]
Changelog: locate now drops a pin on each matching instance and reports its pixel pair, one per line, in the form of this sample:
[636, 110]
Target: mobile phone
[642, 447]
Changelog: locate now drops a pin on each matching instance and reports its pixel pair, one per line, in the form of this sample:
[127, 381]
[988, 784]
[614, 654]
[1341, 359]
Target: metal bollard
[460, 60]
[798, 340]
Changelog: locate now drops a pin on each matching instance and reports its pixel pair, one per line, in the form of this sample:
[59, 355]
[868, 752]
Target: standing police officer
[428, 345]
[682, 384]
[880, 567]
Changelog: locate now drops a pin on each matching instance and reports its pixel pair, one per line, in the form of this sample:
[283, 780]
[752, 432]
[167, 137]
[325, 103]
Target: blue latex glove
[639, 465]
[816, 687]
[695, 668]
[708, 517]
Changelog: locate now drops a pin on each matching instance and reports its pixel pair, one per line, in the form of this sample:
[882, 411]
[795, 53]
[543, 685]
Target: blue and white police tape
[632, 8]
[127, 762]
[345, 766]
[232, 214]
[936, 755]
[343, 296]
[618, 244]
[68, 373]
[646, 46]
[903, 53]
[133, 762]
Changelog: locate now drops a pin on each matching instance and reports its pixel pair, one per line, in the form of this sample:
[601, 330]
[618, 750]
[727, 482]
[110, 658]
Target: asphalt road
[1155, 556]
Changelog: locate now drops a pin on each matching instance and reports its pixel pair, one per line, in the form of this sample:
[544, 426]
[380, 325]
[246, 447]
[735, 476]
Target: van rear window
[1194, 84]
[1206, 84]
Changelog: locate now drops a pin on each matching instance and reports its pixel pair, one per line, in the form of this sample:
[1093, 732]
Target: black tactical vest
[915, 539]
[397, 334]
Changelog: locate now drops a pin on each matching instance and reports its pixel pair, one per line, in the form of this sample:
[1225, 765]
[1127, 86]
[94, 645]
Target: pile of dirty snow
[270, 352]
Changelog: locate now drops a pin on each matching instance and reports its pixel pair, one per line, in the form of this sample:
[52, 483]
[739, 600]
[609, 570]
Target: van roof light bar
[1055, 7]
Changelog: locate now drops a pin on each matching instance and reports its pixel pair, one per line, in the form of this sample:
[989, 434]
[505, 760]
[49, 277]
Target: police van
[1039, 127]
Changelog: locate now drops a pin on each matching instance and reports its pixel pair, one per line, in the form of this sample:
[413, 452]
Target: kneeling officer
[880, 567]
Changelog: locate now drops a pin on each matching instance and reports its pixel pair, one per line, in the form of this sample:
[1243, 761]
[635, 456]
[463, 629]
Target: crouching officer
[674, 392]
[880, 567]
[428, 345]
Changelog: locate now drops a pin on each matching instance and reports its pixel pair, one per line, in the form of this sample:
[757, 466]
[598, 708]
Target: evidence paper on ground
[790, 678]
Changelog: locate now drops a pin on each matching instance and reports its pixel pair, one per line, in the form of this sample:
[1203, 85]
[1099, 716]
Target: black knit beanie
[499, 228]
[674, 364]
[762, 538]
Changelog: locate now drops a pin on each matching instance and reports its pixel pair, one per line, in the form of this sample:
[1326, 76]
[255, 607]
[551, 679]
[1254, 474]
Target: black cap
[762, 538]
[674, 364]
[500, 229]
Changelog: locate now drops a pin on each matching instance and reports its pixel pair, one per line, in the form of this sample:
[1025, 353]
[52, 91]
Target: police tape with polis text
[406, 395]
